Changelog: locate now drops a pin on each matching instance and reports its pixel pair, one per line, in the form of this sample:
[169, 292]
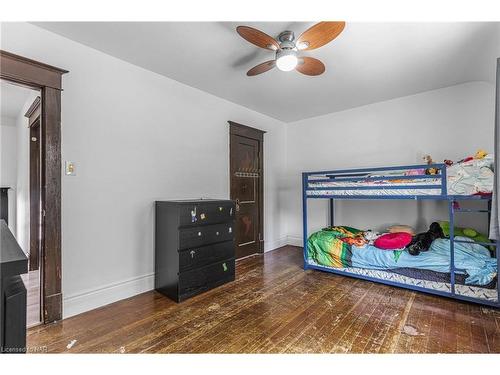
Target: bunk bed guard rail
[317, 182]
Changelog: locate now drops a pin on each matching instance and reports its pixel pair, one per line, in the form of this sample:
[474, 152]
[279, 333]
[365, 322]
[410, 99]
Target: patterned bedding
[468, 178]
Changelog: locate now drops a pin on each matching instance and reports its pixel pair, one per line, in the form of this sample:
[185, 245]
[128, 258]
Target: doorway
[20, 175]
[47, 79]
[246, 187]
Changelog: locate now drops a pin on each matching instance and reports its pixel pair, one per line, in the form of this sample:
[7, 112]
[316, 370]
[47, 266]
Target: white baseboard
[271, 245]
[89, 300]
[294, 240]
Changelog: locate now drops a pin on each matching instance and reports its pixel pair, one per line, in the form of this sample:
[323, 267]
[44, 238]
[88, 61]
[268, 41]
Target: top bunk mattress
[473, 177]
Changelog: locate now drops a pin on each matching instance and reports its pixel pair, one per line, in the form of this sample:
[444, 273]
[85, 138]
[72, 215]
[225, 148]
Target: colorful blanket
[331, 248]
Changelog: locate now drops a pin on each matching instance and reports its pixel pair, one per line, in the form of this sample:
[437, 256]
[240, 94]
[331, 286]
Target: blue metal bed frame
[354, 175]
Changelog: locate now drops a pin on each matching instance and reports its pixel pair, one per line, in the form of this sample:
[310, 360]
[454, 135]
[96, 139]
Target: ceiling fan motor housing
[286, 36]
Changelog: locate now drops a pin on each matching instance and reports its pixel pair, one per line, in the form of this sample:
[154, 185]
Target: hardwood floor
[276, 307]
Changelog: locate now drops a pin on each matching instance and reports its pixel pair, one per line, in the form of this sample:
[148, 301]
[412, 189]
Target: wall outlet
[69, 168]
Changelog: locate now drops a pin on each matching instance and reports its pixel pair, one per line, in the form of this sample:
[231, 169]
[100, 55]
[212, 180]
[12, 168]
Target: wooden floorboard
[276, 307]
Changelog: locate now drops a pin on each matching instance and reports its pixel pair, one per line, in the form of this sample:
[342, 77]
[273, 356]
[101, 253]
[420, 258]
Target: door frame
[48, 79]
[34, 124]
[257, 134]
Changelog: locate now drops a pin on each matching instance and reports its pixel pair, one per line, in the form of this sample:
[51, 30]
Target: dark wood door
[35, 197]
[246, 180]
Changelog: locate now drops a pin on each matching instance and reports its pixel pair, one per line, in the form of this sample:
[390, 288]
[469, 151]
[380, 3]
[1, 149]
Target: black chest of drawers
[194, 246]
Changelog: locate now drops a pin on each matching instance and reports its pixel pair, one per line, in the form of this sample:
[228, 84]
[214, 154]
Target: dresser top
[201, 200]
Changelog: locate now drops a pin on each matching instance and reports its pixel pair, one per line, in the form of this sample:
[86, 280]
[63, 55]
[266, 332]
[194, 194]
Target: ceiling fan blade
[257, 37]
[310, 66]
[319, 35]
[262, 68]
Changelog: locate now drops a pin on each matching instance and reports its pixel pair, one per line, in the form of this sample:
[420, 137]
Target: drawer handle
[199, 234]
[216, 233]
[230, 230]
[192, 252]
[224, 267]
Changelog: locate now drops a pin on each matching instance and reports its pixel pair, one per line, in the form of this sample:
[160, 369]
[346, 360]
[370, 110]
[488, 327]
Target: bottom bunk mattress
[473, 262]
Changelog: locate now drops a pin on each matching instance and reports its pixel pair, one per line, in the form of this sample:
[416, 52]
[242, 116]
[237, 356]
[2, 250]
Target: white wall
[135, 137]
[449, 123]
[8, 143]
[8, 164]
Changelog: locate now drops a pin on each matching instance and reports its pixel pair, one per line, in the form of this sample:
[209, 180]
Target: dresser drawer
[201, 256]
[206, 213]
[204, 278]
[205, 235]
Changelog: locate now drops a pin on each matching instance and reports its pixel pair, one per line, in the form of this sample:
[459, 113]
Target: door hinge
[43, 213]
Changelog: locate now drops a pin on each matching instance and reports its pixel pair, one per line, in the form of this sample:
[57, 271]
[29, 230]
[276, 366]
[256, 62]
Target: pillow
[401, 228]
[464, 232]
[393, 241]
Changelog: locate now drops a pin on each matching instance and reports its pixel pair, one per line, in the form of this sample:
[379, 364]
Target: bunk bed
[409, 183]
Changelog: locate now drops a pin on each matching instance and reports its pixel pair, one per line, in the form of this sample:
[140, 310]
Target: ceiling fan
[287, 48]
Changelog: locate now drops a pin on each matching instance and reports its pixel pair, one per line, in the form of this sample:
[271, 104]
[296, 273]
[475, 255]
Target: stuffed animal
[463, 232]
[429, 161]
[448, 162]
[423, 241]
[480, 154]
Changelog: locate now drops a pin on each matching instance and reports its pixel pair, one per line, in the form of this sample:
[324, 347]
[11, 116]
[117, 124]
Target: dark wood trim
[35, 194]
[244, 130]
[48, 79]
[249, 132]
[33, 114]
[33, 107]
[51, 203]
[30, 72]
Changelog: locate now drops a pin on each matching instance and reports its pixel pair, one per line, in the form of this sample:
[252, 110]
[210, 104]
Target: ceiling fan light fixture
[286, 60]
[287, 47]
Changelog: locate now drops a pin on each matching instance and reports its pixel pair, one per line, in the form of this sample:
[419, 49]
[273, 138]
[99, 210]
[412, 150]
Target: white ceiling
[12, 99]
[367, 63]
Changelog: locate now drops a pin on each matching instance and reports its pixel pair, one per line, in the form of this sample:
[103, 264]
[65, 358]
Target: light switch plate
[69, 168]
